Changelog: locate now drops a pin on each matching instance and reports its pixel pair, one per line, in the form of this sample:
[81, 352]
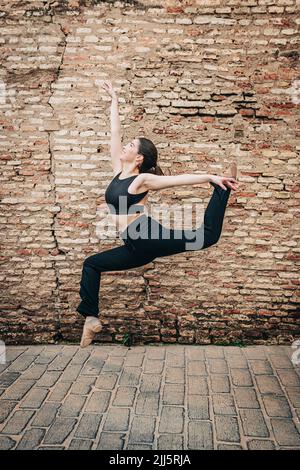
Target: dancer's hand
[224, 182]
[108, 87]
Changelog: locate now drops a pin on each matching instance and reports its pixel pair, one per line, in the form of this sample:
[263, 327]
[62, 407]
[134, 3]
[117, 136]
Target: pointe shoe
[91, 326]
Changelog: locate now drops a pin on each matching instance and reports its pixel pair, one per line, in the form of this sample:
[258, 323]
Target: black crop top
[120, 199]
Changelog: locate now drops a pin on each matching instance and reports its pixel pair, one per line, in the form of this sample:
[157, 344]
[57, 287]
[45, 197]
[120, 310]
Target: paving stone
[214, 352]
[153, 366]
[253, 423]
[170, 442]
[80, 444]
[223, 404]
[34, 372]
[147, 403]
[135, 360]
[98, 402]
[12, 352]
[150, 383]
[119, 350]
[153, 352]
[31, 439]
[88, 425]
[71, 373]
[106, 381]
[269, 384]
[59, 391]
[124, 396]
[241, 378]
[173, 394]
[6, 407]
[227, 428]
[130, 376]
[111, 441]
[48, 379]
[142, 429]
[255, 352]
[18, 390]
[260, 444]
[218, 366]
[285, 432]
[51, 448]
[35, 350]
[197, 385]
[115, 364]
[197, 368]
[21, 363]
[93, 366]
[47, 356]
[60, 362]
[8, 378]
[81, 356]
[246, 397]
[229, 447]
[220, 383]
[174, 415]
[175, 375]
[117, 419]
[175, 360]
[17, 422]
[281, 361]
[139, 447]
[277, 406]
[6, 443]
[236, 362]
[59, 430]
[34, 398]
[83, 385]
[288, 378]
[198, 407]
[261, 367]
[294, 396]
[72, 406]
[45, 415]
[195, 353]
[200, 435]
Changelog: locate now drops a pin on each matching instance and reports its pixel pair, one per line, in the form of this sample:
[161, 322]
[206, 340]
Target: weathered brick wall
[209, 81]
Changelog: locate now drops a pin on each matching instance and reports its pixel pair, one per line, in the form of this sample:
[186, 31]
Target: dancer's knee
[90, 261]
[210, 241]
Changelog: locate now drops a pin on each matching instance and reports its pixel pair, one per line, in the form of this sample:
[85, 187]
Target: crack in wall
[52, 179]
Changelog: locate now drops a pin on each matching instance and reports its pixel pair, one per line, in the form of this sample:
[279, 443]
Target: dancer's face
[130, 152]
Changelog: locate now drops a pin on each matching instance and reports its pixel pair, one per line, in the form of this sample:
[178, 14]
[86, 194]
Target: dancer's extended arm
[157, 182]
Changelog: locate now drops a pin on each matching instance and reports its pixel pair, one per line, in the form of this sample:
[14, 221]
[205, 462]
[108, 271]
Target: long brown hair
[149, 164]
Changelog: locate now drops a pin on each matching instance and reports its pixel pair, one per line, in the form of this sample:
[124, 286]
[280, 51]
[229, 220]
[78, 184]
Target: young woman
[136, 172]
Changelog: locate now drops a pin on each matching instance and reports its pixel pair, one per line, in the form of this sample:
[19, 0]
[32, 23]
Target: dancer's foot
[91, 326]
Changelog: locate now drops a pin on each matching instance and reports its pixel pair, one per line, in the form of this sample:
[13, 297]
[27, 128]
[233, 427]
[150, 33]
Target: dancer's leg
[214, 215]
[172, 241]
[115, 259]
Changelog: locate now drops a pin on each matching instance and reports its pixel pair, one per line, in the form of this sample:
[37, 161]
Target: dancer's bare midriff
[123, 220]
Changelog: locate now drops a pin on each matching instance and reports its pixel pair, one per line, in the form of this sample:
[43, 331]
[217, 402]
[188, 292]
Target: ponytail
[156, 170]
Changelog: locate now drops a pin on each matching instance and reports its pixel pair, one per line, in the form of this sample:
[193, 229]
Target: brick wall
[209, 82]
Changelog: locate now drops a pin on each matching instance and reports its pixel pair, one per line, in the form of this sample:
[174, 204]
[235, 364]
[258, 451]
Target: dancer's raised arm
[155, 183]
[115, 132]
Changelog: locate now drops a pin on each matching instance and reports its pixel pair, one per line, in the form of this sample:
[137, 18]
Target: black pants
[146, 239]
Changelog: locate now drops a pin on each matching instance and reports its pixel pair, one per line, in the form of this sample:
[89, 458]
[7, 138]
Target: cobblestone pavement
[149, 397]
